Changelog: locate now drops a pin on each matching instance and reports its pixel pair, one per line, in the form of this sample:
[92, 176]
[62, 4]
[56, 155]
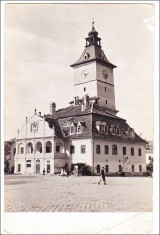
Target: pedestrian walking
[102, 177]
[44, 171]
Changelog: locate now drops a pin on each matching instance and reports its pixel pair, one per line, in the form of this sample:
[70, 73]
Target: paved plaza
[46, 193]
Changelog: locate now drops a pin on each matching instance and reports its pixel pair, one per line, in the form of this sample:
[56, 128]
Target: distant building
[149, 152]
[9, 154]
[88, 133]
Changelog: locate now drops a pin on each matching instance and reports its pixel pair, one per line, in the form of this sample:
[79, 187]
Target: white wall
[113, 160]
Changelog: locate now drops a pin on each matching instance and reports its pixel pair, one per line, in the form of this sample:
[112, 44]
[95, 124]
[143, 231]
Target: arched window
[38, 147]
[48, 147]
[114, 149]
[21, 149]
[29, 147]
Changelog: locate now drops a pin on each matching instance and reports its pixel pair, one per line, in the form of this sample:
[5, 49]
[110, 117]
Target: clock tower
[94, 73]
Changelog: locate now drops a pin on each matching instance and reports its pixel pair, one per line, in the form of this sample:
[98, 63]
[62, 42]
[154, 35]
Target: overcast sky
[43, 40]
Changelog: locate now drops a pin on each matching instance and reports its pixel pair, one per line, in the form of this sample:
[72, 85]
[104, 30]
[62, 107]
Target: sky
[43, 40]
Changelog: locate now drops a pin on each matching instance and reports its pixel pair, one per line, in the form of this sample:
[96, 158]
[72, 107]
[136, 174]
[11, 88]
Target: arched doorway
[37, 166]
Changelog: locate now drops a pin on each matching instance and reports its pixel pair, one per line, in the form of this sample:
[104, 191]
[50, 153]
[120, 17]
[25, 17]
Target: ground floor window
[28, 165]
[48, 168]
[132, 168]
[120, 168]
[106, 168]
[19, 167]
[140, 168]
[98, 169]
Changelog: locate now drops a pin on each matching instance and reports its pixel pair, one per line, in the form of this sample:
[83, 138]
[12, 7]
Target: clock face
[84, 73]
[105, 74]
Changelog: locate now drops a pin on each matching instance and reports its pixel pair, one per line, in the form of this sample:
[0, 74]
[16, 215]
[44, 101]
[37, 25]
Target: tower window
[84, 89]
[106, 101]
[105, 88]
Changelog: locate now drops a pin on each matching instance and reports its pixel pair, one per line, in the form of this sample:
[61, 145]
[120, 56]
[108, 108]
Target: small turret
[52, 108]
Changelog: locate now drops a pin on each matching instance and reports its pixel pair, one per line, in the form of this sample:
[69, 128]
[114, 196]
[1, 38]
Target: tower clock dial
[84, 73]
[105, 74]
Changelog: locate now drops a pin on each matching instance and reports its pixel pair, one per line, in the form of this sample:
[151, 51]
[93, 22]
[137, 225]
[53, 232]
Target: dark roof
[121, 123]
[90, 116]
[77, 111]
[95, 53]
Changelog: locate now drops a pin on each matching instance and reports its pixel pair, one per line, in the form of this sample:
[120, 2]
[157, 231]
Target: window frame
[140, 168]
[114, 149]
[124, 152]
[139, 152]
[132, 151]
[98, 169]
[106, 149]
[83, 148]
[106, 168]
[98, 149]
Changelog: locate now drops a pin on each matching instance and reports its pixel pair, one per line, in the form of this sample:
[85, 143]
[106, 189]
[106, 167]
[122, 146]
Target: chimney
[40, 114]
[76, 100]
[86, 101]
[52, 108]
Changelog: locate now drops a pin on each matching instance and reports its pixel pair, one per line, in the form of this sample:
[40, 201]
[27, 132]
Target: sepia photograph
[79, 117]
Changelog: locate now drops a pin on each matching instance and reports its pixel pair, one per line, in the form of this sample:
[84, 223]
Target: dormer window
[102, 127]
[73, 128]
[86, 56]
[80, 127]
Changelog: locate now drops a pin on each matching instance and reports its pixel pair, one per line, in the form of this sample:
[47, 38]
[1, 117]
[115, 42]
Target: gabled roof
[95, 53]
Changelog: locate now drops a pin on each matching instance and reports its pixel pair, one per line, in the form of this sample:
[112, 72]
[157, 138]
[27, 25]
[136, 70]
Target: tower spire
[93, 24]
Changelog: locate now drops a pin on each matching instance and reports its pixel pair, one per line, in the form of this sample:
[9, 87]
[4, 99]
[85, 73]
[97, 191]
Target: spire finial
[92, 22]
[35, 111]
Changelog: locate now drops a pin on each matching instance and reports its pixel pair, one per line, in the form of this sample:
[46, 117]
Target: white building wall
[114, 161]
[79, 157]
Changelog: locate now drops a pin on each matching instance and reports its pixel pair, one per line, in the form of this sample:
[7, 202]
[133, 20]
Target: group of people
[64, 172]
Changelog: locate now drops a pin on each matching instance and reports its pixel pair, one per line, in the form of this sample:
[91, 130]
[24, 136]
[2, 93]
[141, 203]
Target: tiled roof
[77, 111]
[95, 53]
[121, 123]
[90, 116]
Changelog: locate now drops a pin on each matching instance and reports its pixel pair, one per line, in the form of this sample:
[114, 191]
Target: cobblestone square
[46, 193]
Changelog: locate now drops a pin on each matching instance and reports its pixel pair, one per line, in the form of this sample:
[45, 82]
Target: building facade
[87, 133]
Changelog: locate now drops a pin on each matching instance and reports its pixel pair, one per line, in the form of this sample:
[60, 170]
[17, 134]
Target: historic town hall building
[86, 133]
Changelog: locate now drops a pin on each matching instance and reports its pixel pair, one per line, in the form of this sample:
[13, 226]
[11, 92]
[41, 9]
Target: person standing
[102, 177]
